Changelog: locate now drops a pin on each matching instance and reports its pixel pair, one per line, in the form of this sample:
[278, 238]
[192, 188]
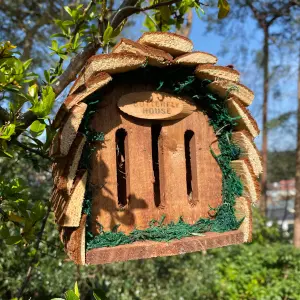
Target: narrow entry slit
[188, 137]
[155, 133]
[121, 136]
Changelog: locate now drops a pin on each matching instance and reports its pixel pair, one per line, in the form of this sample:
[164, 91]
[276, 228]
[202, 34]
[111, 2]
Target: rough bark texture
[297, 199]
[263, 204]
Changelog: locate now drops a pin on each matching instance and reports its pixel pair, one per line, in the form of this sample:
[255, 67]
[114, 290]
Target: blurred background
[267, 268]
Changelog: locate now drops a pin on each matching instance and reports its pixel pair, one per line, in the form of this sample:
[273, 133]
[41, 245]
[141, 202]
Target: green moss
[179, 81]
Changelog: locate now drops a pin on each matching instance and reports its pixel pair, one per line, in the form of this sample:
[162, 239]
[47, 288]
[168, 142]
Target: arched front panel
[146, 169]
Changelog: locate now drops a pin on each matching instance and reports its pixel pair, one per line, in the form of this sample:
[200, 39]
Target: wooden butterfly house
[154, 154]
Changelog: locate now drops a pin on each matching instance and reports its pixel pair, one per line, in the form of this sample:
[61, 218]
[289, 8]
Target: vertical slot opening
[188, 136]
[155, 133]
[121, 136]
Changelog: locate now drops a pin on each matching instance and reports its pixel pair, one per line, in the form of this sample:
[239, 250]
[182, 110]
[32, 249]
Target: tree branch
[281, 12]
[26, 120]
[74, 67]
[37, 152]
[121, 14]
[127, 11]
[259, 16]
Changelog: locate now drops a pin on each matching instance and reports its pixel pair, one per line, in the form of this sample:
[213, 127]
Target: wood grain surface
[139, 208]
[150, 249]
[155, 105]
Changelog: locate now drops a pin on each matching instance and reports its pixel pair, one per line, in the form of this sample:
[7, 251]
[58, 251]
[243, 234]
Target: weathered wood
[206, 173]
[172, 43]
[243, 211]
[243, 169]
[139, 176]
[156, 57]
[73, 239]
[155, 105]
[248, 150]
[68, 211]
[149, 249]
[140, 207]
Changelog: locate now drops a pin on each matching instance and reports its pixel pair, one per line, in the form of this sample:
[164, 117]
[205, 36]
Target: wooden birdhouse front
[154, 155]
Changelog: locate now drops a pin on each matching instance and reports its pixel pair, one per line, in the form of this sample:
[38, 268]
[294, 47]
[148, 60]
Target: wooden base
[149, 249]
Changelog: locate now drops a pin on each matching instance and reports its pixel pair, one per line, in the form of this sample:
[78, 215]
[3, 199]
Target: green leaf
[47, 76]
[54, 46]
[27, 63]
[107, 34]
[37, 128]
[63, 56]
[13, 240]
[118, 30]
[33, 91]
[6, 131]
[43, 107]
[68, 10]
[96, 297]
[5, 153]
[70, 295]
[224, 9]
[61, 35]
[150, 24]
[68, 23]
[165, 13]
[76, 290]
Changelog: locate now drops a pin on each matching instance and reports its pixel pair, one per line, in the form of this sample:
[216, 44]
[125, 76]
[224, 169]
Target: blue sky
[251, 75]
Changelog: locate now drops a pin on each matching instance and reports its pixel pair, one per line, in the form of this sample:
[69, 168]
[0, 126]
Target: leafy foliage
[264, 269]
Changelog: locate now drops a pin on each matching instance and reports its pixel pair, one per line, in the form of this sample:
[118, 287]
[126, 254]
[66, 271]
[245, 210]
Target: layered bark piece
[98, 81]
[196, 58]
[243, 169]
[156, 57]
[243, 117]
[74, 241]
[114, 63]
[217, 72]
[68, 209]
[65, 136]
[243, 210]
[65, 169]
[248, 150]
[87, 84]
[225, 88]
[170, 42]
